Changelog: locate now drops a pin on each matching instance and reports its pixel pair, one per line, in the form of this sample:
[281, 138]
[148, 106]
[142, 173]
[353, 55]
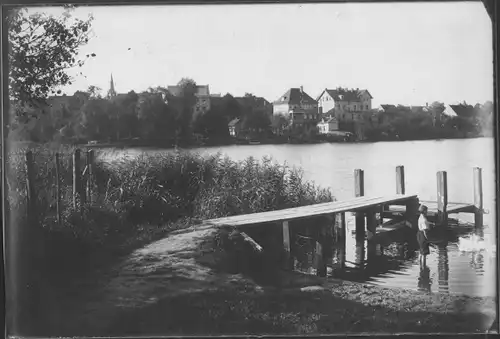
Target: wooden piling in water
[359, 191]
[478, 197]
[286, 244]
[442, 197]
[400, 180]
[58, 188]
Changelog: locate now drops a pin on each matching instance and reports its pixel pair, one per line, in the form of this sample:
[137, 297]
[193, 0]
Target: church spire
[111, 92]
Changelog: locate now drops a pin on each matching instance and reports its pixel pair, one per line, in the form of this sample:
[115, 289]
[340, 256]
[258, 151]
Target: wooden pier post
[371, 223]
[286, 245]
[400, 180]
[442, 197]
[478, 197]
[340, 229]
[359, 191]
[320, 259]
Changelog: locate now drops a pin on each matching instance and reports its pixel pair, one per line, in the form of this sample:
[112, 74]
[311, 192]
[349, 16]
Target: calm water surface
[332, 165]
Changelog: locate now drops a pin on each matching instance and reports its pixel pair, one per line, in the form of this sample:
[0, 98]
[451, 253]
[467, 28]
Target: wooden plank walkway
[352, 205]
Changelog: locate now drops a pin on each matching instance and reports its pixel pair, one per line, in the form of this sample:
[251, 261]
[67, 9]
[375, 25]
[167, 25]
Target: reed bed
[135, 201]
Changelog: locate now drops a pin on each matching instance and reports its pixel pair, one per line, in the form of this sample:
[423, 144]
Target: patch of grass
[344, 308]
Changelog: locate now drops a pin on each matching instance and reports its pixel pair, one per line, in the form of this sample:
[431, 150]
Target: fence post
[90, 163]
[31, 193]
[286, 244]
[76, 177]
[359, 191]
[442, 197]
[478, 197]
[58, 189]
[400, 180]
[32, 238]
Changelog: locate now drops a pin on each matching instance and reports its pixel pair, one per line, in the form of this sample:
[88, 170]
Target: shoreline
[261, 143]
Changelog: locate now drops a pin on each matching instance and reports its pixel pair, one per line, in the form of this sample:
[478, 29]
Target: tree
[256, 120]
[187, 96]
[42, 48]
[156, 119]
[94, 92]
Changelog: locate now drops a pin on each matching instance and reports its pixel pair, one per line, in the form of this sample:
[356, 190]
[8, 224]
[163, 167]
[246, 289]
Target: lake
[332, 165]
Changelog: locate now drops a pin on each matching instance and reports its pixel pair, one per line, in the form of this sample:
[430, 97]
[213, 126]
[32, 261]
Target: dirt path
[176, 265]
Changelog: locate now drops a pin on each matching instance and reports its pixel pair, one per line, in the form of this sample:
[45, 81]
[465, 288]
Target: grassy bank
[340, 308]
[134, 202]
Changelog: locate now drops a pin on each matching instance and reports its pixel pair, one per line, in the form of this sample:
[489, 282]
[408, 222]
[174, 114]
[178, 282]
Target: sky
[406, 53]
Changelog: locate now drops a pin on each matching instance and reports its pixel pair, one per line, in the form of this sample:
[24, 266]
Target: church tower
[111, 92]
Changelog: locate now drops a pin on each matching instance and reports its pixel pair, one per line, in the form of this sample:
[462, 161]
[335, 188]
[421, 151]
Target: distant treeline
[157, 117]
[153, 115]
[432, 124]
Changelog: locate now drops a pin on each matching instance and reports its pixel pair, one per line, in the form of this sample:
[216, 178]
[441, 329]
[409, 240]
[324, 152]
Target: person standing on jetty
[423, 228]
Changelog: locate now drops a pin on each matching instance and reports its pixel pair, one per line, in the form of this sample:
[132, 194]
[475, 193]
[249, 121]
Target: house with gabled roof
[462, 110]
[297, 105]
[344, 100]
[255, 103]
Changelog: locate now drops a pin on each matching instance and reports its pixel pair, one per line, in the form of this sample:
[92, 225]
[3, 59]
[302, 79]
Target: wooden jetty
[398, 206]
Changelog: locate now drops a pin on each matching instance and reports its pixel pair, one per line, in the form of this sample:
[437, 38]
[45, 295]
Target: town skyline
[424, 61]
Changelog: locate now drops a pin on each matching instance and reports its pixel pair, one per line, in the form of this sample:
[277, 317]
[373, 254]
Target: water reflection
[395, 264]
[443, 268]
[424, 278]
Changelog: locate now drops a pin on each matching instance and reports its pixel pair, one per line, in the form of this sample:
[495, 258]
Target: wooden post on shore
[442, 197]
[76, 178]
[320, 258]
[286, 244]
[400, 180]
[90, 164]
[359, 191]
[478, 197]
[58, 189]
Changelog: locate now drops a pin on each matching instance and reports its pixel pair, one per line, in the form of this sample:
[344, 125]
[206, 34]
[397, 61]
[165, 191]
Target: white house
[340, 101]
[328, 126]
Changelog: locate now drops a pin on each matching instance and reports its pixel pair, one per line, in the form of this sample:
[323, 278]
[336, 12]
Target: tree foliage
[42, 48]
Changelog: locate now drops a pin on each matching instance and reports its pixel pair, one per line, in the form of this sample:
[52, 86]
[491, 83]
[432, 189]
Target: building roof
[233, 122]
[344, 94]
[295, 96]
[260, 101]
[200, 90]
[463, 110]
